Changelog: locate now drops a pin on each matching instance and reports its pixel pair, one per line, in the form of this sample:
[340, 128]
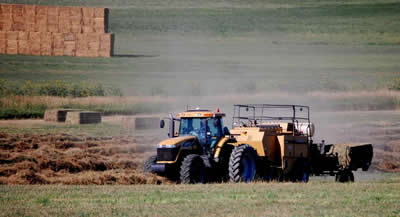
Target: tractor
[266, 142]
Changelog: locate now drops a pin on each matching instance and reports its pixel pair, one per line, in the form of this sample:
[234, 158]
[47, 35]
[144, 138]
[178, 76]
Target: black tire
[192, 170]
[147, 164]
[242, 164]
[301, 171]
[344, 176]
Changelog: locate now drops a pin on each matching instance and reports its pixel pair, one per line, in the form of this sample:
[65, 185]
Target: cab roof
[200, 113]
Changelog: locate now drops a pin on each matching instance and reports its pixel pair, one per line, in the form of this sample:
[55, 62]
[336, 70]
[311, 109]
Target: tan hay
[58, 52]
[88, 12]
[53, 11]
[23, 36]
[64, 24]
[41, 23]
[52, 19]
[34, 43]
[69, 48]
[6, 8]
[18, 26]
[52, 28]
[29, 10]
[45, 43]
[64, 11]
[69, 37]
[99, 12]
[2, 46]
[76, 11]
[58, 40]
[12, 47]
[18, 10]
[41, 10]
[23, 47]
[85, 117]
[87, 29]
[12, 35]
[57, 115]
[3, 35]
[6, 26]
[76, 28]
[93, 37]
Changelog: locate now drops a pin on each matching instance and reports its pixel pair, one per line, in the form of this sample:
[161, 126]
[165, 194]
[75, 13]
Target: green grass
[190, 48]
[317, 198]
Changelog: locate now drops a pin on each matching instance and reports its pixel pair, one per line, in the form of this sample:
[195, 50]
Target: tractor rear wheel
[242, 164]
[147, 164]
[344, 176]
[192, 170]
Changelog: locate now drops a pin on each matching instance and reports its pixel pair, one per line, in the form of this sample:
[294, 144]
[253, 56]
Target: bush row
[56, 88]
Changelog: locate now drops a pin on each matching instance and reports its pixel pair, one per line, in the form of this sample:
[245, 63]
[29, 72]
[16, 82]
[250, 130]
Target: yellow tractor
[267, 142]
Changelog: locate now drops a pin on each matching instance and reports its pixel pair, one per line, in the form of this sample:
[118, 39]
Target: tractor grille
[167, 154]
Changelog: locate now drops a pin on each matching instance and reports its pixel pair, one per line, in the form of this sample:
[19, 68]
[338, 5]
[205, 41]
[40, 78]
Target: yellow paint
[219, 146]
[176, 140]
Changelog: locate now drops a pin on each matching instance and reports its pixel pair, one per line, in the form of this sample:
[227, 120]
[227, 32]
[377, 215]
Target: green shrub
[56, 88]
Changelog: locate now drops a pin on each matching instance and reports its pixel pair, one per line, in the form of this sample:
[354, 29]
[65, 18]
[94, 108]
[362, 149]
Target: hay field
[377, 197]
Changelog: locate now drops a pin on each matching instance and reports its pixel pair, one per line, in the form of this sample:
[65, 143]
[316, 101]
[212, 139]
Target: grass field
[379, 197]
[198, 50]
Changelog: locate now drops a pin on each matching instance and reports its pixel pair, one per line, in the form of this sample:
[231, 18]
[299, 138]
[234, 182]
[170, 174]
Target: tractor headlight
[166, 146]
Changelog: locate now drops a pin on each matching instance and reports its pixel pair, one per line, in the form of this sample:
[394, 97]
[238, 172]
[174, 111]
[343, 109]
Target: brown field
[116, 154]
[66, 159]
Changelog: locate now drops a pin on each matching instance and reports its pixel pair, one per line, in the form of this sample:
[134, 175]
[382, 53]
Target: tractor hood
[173, 142]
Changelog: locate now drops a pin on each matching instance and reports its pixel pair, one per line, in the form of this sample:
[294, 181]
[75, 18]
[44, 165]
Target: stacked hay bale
[57, 115]
[83, 117]
[57, 31]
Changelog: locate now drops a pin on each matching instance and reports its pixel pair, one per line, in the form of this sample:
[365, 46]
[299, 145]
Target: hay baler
[268, 142]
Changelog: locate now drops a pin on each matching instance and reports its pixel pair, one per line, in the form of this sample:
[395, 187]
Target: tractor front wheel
[242, 164]
[147, 164]
[192, 170]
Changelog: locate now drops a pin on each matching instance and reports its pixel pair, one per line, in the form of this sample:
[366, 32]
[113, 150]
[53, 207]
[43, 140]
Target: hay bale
[2, 46]
[12, 35]
[99, 12]
[23, 47]
[3, 35]
[29, 10]
[64, 11]
[87, 12]
[6, 8]
[23, 36]
[41, 10]
[52, 23]
[69, 48]
[57, 115]
[75, 12]
[12, 47]
[45, 43]
[18, 9]
[34, 43]
[81, 45]
[83, 117]
[64, 24]
[53, 11]
[41, 23]
[76, 28]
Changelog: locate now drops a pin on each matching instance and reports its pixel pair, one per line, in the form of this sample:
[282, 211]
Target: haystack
[57, 115]
[83, 117]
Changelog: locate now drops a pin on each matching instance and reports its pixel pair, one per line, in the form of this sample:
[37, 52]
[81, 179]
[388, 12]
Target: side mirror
[162, 124]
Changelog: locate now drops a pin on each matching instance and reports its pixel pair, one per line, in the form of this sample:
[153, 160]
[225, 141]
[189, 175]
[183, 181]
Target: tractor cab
[205, 125]
[198, 132]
